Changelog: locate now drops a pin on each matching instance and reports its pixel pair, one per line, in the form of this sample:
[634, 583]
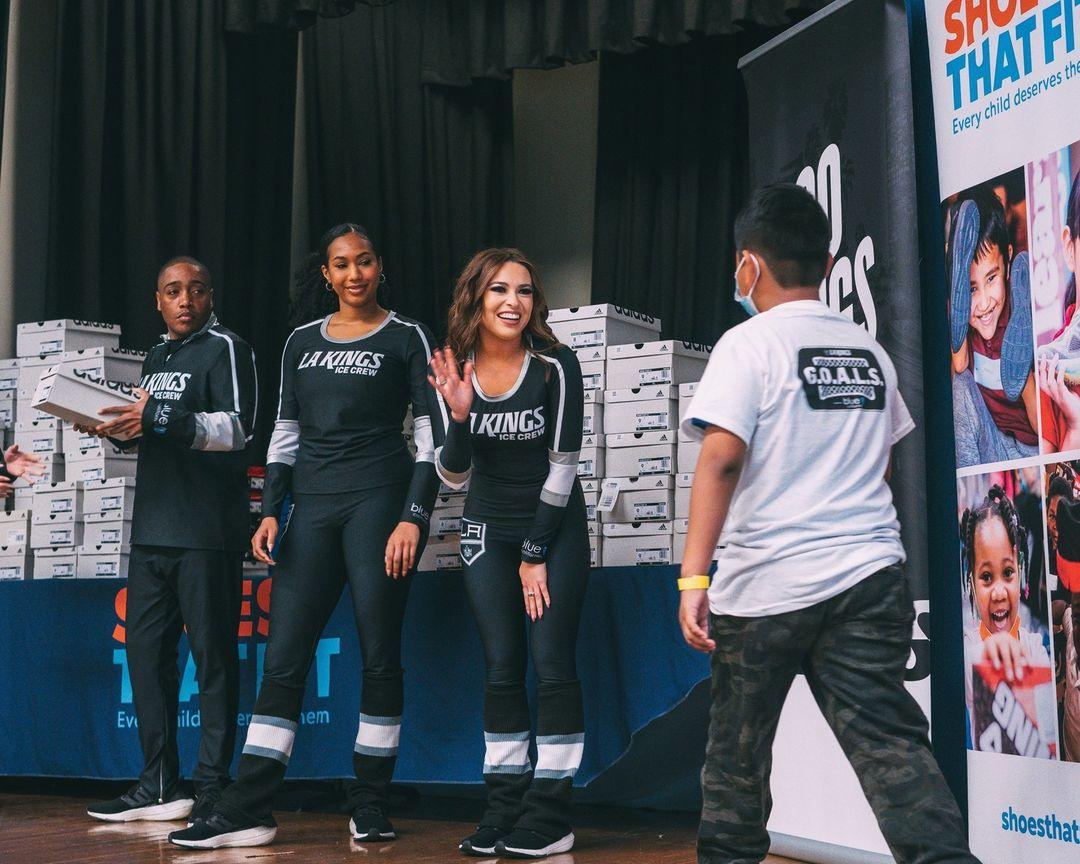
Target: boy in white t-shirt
[798, 411]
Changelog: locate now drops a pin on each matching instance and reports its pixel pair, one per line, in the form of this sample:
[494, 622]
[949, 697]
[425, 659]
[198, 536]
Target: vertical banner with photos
[842, 128]
[1005, 82]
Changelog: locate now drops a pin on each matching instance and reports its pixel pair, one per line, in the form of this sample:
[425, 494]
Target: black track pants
[519, 794]
[170, 589]
[330, 541]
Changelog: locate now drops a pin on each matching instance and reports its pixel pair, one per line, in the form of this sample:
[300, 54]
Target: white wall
[555, 176]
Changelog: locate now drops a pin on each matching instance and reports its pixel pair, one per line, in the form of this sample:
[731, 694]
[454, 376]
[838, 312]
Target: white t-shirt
[814, 397]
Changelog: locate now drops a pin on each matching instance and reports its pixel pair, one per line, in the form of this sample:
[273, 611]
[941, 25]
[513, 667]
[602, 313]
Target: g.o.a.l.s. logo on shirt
[342, 362]
[509, 425]
[841, 379]
[169, 386]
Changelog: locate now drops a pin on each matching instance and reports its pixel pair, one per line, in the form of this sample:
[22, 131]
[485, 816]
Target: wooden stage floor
[53, 829]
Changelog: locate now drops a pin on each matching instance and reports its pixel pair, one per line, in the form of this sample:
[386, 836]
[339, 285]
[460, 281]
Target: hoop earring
[382, 277]
[328, 287]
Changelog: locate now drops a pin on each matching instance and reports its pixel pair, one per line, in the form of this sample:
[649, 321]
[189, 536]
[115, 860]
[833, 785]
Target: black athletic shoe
[140, 803]
[369, 823]
[204, 804]
[219, 832]
[522, 843]
[482, 841]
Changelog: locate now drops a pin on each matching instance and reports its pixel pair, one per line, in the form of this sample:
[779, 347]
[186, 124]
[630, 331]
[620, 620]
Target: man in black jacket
[190, 527]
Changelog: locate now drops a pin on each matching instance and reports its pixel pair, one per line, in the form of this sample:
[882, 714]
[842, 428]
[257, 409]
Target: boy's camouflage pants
[853, 649]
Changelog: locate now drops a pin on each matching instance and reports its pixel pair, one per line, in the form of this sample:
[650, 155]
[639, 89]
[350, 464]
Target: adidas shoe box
[32, 368]
[77, 396]
[595, 544]
[686, 396]
[25, 408]
[72, 441]
[104, 529]
[637, 543]
[9, 408]
[640, 454]
[92, 447]
[592, 422]
[640, 409]
[9, 374]
[108, 364]
[600, 325]
[593, 368]
[679, 545]
[591, 500]
[56, 529]
[683, 483]
[591, 462]
[446, 515]
[55, 563]
[15, 562]
[108, 463]
[22, 499]
[446, 492]
[441, 553]
[15, 528]
[640, 499]
[114, 498]
[53, 465]
[109, 561]
[59, 499]
[643, 364]
[39, 436]
[688, 456]
[55, 337]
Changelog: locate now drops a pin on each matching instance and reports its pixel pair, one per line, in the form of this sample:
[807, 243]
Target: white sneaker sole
[563, 845]
[172, 811]
[259, 836]
[375, 835]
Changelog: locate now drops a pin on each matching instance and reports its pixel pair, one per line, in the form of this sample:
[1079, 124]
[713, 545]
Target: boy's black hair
[786, 226]
[992, 228]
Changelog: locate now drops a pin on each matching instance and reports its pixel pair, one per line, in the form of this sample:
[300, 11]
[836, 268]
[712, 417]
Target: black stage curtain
[671, 175]
[427, 169]
[171, 137]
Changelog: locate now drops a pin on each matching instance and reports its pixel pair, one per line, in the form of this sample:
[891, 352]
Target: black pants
[517, 795]
[330, 541]
[853, 649]
[170, 589]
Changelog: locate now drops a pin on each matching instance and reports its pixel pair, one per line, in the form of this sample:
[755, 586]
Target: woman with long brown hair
[514, 434]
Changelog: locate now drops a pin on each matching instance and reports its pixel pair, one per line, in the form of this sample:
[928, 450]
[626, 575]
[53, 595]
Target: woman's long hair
[467, 304]
[311, 300]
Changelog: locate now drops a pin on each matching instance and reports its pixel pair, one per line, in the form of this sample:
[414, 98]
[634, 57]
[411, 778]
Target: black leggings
[329, 541]
[517, 795]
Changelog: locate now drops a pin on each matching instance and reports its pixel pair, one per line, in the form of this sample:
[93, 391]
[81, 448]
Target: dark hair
[1072, 222]
[467, 307]
[996, 504]
[184, 259]
[1060, 486]
[311, 300]
[992, 228]
[787, 227]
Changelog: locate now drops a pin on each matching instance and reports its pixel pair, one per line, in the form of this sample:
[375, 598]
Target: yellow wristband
[692, 583]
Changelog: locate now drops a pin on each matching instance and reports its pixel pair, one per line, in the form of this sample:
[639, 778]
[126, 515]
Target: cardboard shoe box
[77, 396]
[600, 325]
[32, 368]
[688, 456]
[104, 529]
[643, 364]
[15, 528]
[38, 436]
[640, 409]
[683, 483]
[15, 562]
[57, 563]
[114, 497]
[55, 530]
[593, 420]
[441, 553]
[686, 396]
[9, 409]
[109, 561]
[635, 544]
[25, 409]
[22, 499]
[591, 500]
[595, 544]
[591, 462]
[53, 465]
[641, 499]
[55, 337]
[59, 499]
[640, 454]
[679, 546]
[9, 374]
[446, 515]
[108, 364]
[593, 367]
[95, 448]
[107, 464]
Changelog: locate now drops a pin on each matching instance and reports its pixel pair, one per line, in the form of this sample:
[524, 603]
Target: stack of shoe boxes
[641, 417]
[686, 463]
[256, 482]
[107, 508]
[593, 331]
[443, 545]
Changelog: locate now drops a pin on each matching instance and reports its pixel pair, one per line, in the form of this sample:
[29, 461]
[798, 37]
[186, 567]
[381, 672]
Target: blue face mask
[746, 300]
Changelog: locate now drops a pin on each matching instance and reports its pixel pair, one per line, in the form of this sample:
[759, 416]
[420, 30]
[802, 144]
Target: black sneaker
[204, 804]
[369, 823]
[522, 843]
[482, 841]
[219, 832]
[140, 803]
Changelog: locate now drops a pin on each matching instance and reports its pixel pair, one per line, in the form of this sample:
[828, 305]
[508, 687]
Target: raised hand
[20, 464]
[455, 388]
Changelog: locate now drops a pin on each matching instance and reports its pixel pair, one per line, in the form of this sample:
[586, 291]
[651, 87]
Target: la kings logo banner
[472, 540]
[841, 379]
